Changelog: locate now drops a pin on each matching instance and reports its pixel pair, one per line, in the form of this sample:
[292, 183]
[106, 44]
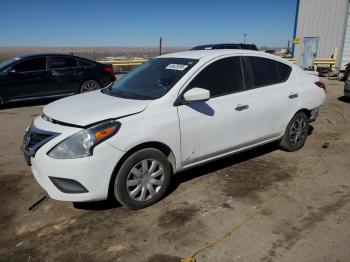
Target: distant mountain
[95, 53]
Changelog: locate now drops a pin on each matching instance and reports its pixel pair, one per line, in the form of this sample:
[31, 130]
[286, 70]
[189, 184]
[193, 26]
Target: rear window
[267, 71]
[63, 62]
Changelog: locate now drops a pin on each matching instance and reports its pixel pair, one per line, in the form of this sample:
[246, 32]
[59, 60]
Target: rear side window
[283, 70]
[63, 62]
[221, 77]
[32, 64]
[82, 62]
[267, 71]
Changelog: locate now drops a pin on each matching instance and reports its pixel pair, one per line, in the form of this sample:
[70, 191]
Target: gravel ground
[308, 223]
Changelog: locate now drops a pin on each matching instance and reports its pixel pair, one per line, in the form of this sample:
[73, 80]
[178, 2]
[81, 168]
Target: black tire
[89, 85]
[119, 181]
[1, 101]
[294, 140]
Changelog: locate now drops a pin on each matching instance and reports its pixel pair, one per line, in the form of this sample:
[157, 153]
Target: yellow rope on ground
[265, 205]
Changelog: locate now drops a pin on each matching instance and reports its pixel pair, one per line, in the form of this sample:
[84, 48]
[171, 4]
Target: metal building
[321, 27]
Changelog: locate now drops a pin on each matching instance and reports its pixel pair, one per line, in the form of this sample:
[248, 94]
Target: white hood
[92, 107]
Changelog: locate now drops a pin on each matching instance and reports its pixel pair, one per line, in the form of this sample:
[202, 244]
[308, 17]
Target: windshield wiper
[128, 95]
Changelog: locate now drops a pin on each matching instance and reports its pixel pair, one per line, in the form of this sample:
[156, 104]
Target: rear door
[66, 73]
[275, 96]
[223, 123]
[29, 78]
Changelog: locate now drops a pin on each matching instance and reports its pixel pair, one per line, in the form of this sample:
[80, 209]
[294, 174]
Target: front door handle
[241, 107]
[293, 95]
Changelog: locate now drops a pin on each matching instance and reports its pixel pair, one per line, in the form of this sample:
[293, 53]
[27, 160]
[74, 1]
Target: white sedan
[173, 112]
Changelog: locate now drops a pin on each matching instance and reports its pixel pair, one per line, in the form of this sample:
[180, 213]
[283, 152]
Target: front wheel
[143, 179]
[89, 85]
[296, 133]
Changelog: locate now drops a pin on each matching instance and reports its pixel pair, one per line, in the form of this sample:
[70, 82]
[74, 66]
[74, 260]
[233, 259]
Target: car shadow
[311, 130]
[344, 99]
[38, 102]
[97, 205]
[202, 170]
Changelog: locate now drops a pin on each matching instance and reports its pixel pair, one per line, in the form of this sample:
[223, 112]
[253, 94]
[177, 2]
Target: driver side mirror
[12, 71]
[196, 94]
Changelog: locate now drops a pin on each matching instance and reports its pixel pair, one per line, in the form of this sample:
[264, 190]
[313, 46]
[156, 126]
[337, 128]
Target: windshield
[6, 63]
[151, 80]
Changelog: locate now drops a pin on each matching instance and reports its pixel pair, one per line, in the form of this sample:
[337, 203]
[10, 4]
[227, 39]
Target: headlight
[82, 144]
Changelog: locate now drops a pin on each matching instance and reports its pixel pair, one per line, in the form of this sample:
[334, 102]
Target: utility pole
[244, 36]
[160, 46]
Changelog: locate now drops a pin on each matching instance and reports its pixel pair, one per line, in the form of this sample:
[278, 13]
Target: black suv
[50, 75]
[225, 46]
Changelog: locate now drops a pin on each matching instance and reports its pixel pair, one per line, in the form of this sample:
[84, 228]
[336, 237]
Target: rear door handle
[293, 95]
[241, 107]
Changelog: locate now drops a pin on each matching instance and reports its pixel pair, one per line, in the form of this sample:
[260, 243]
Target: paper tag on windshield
[176, 67]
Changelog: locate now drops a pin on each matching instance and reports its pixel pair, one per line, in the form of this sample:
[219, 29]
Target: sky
[140, 23]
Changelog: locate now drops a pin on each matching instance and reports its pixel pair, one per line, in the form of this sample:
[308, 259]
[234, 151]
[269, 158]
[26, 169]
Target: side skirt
[232, 152]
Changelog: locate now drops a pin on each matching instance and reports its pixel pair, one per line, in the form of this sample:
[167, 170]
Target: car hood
[92, 107]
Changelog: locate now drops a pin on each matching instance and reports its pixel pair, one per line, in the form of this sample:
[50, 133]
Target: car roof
[214, 53]
[203, 54]
[48, 54]
[214, 45]
[222, 45]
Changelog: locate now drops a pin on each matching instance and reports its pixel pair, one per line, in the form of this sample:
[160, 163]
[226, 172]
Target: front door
[224, 122]
[28, 79]
[310, 46]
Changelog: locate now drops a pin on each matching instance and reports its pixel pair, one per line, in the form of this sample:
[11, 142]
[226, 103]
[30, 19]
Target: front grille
[35, 138]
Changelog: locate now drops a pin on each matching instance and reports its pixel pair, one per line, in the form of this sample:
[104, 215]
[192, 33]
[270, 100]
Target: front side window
[32, 64]
[267, 71]
[221, 77]
[152, 79]
[63, 62]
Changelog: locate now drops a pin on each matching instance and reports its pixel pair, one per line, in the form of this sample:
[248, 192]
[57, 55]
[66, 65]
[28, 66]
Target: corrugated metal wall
[346, 48]
[325, 19]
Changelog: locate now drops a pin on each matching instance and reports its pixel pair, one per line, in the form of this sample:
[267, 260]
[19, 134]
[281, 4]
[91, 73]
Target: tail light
[321, 85]
[108, 69]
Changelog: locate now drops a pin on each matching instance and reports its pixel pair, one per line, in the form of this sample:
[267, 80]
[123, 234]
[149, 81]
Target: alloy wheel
[298, 131]
[89, 86]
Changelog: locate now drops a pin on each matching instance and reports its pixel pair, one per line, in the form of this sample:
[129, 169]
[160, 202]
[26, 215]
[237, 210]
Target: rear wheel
[89, 85]
[143, 179]
[296, 133]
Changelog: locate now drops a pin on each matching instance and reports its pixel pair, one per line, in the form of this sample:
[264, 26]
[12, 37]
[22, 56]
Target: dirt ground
[309, 223]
